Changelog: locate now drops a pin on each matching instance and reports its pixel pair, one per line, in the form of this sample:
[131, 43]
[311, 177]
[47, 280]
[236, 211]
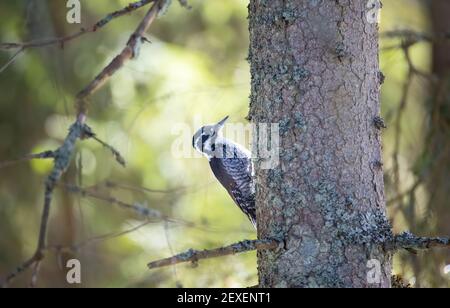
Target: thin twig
[97, 239]
[35, 275]
[413, 37]
[137, 208]
[12, 59]
[19, 270]
[43, 155]
[195, 255]
[119, 158]
[111, 184]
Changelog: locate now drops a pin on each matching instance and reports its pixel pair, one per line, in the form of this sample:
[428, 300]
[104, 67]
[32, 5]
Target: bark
[441, 24]
[439, 151]
[315, 71]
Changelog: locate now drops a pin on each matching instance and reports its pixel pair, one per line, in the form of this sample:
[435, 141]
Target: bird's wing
[235, 174]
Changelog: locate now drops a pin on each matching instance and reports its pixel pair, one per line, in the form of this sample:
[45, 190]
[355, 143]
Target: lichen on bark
[315, 71]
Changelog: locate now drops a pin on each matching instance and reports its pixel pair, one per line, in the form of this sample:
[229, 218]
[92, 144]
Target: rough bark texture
[315, 71]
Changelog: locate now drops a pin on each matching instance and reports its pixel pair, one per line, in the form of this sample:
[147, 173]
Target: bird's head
[204, 139]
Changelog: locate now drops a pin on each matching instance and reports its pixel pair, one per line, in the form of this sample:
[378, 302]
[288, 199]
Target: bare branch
[12, 59]
[62, 40]
[119, 158]
[43, 155]
[79, 130]
[412, 37]
[195, 255]
[409, 241]
[97, 239]
[407, 35]
[62, 157]
[131, 51]
[111, 184]
[19, 270]
[35, 275]
[137, 208]
[130, 8]
[35, 261]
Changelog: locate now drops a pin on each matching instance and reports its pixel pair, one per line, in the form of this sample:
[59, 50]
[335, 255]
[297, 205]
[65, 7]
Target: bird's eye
[204, 138]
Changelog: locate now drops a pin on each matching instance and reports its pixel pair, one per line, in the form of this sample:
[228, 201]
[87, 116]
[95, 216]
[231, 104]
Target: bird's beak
[221, 123]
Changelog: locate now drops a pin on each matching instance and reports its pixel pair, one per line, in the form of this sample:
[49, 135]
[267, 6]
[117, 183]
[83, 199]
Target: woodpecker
[231, 164]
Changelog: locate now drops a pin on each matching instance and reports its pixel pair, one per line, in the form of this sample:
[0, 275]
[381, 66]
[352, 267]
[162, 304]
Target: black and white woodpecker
[231, 164]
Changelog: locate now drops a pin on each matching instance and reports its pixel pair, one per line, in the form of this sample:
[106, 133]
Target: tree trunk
[437, 142]
[315, 71]
[438, 184]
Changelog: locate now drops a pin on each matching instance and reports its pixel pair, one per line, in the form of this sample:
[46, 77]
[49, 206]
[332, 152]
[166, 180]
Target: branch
[131, 51]
[195, 255]
[20, 269]
[62, 157]
[119, 158]
[62, 40]
[11, 60]
[135, 207]
[411, 37]
[138, 208]
[21, 47]
[111, 184]
[58, 249]
[409, 241]
[79, 130]
[43, 155]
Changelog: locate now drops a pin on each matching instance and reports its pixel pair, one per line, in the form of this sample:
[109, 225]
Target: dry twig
[195, 255]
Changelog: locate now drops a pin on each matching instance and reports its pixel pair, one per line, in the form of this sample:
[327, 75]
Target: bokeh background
[194, 71]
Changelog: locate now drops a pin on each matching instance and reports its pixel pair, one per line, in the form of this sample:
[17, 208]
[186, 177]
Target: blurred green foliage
[194, 72]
